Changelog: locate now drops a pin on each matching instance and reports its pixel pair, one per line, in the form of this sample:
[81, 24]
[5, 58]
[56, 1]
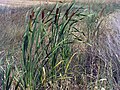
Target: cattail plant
[46, 47]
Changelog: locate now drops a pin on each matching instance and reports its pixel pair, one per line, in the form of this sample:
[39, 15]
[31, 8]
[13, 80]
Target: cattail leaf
[67, 65]
[44, 76]
[58, 63]
[50, 12]
[67, 11]
[10, 83]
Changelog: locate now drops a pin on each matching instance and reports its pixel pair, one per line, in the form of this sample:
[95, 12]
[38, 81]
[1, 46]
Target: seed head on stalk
[56, 16]
[43, 15]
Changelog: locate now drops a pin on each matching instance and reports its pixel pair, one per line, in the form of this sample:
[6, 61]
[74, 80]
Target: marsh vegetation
[71, 46]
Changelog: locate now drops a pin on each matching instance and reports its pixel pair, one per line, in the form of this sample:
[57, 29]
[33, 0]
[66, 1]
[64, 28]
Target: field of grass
[59, 50]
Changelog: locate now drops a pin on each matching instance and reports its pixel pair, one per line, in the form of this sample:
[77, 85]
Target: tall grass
[46, 46]
[46, 51]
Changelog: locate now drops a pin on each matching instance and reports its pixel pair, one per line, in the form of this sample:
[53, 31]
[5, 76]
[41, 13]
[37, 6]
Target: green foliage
[46, 46]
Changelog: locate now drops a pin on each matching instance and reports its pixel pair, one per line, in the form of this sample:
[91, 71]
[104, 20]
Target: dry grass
[108, 41]
[11, 27]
